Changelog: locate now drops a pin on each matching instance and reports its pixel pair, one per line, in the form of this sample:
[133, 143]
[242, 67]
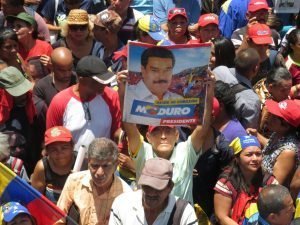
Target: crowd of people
[63, 77]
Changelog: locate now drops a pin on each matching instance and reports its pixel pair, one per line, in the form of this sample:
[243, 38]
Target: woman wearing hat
[241, 181]
[15, 213]
[78, 36]
[177, 28]
[30, 46]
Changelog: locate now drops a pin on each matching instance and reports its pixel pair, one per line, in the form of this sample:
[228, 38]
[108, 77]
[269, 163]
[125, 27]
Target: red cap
[255, 5]
[175, 12]
[56, 134]
[289, 110]
[208, 18]
[216, 107]
[151, 128]
[260, 34]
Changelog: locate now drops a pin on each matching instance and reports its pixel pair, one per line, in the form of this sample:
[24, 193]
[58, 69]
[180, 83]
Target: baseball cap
[156, 173]
[207, 19]
[289, 110]
[94, 67]
[108, 19]
[151, 25]
[151, 128]
[175, 12]
[240, 143]
[13, 81]
[216, 107]
[22, 16]
[56, 134]
[11, 209]
[260, 34]
[255, 5]
[78, 17]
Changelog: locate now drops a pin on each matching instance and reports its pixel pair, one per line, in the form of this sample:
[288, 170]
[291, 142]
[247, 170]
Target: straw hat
[78, 17]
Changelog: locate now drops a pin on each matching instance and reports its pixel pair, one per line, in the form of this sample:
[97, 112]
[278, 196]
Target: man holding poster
[155, 90]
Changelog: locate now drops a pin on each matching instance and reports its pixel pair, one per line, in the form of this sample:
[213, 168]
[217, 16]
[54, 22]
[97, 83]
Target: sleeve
[160, 10]
[225, 20]
[38, 91]
[42, 27]
[111, 98]
[48, 10]
[189, 216]
[115, 218]
[195, 12]
[223, 187]
[56, 110]
[236, 38]
[49, 50]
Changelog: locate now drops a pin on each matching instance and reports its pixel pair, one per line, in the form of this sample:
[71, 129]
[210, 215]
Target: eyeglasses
[177, 11]
[78, 27]
[87, 113]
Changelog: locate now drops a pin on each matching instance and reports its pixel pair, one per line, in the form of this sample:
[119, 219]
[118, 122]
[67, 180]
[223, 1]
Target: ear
[177, 135]
[272, 218]
[148, 136]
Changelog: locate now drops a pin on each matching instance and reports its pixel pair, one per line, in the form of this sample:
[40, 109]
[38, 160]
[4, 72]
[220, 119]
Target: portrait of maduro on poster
[166, 84]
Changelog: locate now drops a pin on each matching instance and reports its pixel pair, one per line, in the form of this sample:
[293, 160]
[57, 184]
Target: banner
[13, 188]
[286, 6]
[166, 84]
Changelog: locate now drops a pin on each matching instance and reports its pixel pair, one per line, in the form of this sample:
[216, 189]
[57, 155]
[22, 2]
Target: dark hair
[138, 33]
[225, 95]
[233, 174]
[271, 199]
[224, 52]
[245, 60]
[15, 3]
[7, 33]
[274, 22]
[275, 76]
[159, 52]
[292, 39]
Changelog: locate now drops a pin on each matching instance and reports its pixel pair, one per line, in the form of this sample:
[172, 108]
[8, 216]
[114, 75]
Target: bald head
[61, 56]
[246, 61]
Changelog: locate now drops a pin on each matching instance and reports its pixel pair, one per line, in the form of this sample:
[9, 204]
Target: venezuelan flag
[13, 188]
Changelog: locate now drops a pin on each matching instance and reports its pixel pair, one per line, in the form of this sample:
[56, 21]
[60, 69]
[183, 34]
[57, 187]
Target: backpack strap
[272, 57]
[238, 88]
[177, 212]
[16, 165]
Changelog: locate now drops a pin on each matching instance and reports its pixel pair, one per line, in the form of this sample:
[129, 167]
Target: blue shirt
[144, 6]
[233, 16]
[162, 7]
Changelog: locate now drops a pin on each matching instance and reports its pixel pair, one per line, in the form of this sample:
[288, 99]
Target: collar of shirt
[243, 80]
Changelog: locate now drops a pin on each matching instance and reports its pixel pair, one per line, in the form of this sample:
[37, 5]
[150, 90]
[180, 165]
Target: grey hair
[275, 76]
[4, 146]
[271, 199]
[102, 149]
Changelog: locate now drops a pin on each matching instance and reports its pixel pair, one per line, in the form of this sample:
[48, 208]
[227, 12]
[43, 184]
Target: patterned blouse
[274, 148]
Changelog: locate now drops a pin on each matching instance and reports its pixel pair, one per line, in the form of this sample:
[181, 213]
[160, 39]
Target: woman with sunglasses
[78, 36]
[177, 28]
[240, 183]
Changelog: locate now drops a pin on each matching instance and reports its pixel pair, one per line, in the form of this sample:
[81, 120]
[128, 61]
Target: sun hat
[57, 134]
[207, 19]
[78, 17]
[24, 16]
[94, 67]
[108, 19]
[13, 81]
[156, 173]
[240, 143]
[150, 24]
[260, 34]
[177, 12]
[255, 5]
[289, 110]
[12, 209]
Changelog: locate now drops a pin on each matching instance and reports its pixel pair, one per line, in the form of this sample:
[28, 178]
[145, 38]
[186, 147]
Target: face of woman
[250, 159]
[22, 30]
[78, 32]
[177, 26]
[8, 50]
[22, 219]
[296, 47]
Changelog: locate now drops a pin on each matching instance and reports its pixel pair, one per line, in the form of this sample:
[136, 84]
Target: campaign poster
[286, 6]
[166, 84]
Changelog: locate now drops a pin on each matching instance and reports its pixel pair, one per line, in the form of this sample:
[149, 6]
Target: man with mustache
[157, 65]
[153, 204]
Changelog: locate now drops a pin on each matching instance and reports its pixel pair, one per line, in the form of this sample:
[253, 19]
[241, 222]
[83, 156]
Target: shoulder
[123, 185]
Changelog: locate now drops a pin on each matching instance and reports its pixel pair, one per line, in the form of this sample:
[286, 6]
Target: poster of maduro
[165, 84]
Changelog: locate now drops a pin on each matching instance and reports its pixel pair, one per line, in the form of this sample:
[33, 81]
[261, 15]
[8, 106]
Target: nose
[99, 172]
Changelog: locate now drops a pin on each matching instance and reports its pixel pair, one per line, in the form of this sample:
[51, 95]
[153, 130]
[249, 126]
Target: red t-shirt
[40, 48]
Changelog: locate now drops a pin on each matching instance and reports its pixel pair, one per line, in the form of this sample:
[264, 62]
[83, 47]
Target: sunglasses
[177, 11]
[87, 113]
[78, 27]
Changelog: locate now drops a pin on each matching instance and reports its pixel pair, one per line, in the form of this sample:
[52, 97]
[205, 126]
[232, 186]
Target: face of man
[120, 6]
[60, 153]
[260, 48]
[63, 70]
[155, 199]
[8, 9]
[88, 87]
[260, 16]
[163, 140]
[284, 216]
[100, 33]
[281, 90]
[102, 171]
[157, 75]
[208, 32]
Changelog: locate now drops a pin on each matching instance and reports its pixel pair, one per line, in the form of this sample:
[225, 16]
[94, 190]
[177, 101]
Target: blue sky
[185, 57]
